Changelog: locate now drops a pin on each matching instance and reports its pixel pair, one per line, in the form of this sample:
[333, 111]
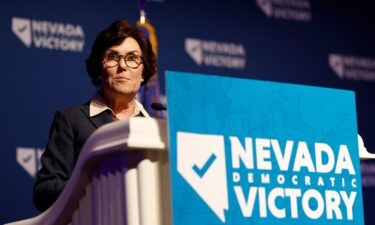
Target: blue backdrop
[44, 45]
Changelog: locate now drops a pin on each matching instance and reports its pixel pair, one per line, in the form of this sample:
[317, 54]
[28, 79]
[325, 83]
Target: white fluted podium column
[121, 178]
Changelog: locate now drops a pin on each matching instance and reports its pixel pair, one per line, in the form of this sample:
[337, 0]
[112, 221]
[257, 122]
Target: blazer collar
[99, 119]
[102, 118]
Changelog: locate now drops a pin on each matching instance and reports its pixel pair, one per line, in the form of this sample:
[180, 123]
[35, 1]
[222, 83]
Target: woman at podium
[121, 61]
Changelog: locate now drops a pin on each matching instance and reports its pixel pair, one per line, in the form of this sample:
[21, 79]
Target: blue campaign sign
[254, 152]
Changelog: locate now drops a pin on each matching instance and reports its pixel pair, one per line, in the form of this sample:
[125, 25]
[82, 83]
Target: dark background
[38, 81]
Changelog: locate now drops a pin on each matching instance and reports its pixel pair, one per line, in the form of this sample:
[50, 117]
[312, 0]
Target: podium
[121, 177]
[286, 154]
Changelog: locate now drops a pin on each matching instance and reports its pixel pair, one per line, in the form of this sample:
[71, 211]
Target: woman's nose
[122, 64]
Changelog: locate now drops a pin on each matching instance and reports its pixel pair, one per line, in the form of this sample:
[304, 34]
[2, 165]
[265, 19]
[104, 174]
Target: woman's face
[119, 78]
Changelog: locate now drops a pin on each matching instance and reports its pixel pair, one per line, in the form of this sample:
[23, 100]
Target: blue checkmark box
[202, 171]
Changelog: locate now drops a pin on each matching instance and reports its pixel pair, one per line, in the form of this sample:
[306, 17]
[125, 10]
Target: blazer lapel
[100, 119]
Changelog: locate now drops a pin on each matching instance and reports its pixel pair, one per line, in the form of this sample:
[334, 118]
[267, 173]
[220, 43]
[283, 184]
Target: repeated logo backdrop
[44, 46]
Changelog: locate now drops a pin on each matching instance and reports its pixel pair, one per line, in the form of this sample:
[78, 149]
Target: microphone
[158, 106]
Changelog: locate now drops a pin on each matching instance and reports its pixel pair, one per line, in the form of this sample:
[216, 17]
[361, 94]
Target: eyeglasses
[132, 61]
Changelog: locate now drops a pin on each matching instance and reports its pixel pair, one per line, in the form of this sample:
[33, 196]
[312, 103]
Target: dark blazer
[69, 131]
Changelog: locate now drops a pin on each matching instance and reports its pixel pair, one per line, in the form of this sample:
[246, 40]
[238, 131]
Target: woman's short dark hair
[114, 35]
